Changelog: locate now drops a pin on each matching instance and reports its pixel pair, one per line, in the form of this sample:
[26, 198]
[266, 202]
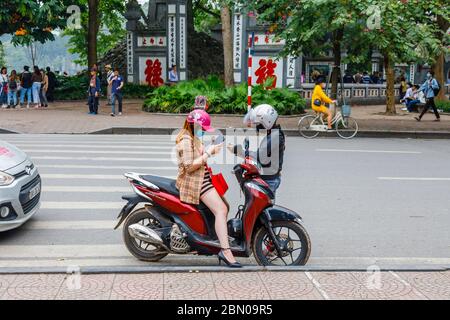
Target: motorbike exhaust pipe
[143, 233]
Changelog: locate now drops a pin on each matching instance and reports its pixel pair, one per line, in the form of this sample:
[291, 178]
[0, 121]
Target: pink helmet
[201, 118]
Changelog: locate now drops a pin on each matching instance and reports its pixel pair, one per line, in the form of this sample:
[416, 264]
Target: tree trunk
[390, 86]
[438, 67]
[225, 14]
[336, 75]
[92, 32]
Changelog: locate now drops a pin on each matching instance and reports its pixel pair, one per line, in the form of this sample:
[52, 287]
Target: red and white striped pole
[250, 64]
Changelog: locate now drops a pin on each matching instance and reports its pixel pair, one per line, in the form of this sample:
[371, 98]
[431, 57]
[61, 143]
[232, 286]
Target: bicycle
[346, 127]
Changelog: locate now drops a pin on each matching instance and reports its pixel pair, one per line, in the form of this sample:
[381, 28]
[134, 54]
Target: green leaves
[233, 100]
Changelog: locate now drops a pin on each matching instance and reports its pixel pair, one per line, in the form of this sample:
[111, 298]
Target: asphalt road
[364, 201]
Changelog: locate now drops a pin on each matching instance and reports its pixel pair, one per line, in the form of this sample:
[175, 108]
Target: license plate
[34, 191]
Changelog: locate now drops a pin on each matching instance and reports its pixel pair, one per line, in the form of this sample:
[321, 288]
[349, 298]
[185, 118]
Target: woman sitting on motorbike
[319, 99]
[194, 181]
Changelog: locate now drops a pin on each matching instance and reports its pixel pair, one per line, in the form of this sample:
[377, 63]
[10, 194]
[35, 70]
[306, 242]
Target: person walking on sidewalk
[109, 77]
[4, 87]
[36, 79]
[44, 89]
[51, 84]
[431, 89]
[94, 92]
[25, 83]
[116, 84]
[12, 90]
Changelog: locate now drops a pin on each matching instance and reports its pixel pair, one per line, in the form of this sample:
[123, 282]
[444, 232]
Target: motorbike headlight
[5, 179]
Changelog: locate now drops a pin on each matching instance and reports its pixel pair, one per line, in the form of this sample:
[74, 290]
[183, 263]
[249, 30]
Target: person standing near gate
[94, 92]
[116, 92]
[430, 89]
[109, 77]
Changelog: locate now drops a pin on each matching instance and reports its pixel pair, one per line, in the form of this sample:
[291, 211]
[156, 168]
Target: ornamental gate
[156, 41]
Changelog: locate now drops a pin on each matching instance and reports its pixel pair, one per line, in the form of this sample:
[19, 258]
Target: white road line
[124, 147]
[85, 189]
[96, 142]
[123, 168]
[33, 151]
[368, 151]
[317, 285]
[60, 251]
[413, 179]
[87, 176]
[106, 159]
[70, 225]
[81, 205]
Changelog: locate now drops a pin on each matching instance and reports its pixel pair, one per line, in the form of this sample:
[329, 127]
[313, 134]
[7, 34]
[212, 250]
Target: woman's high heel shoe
[222, 257]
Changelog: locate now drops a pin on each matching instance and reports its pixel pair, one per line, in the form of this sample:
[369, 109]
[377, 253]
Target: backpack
[436, 91]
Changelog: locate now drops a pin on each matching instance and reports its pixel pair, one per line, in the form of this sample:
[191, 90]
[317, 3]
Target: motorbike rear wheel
[295, 240]
[141, 250]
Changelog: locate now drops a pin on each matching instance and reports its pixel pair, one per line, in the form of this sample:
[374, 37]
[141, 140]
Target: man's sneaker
[113, 115]
[120, 113]
[404, 109]
[417, 119]
[28, 106]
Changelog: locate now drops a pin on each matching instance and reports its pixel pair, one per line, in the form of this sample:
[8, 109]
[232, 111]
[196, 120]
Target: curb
[218, 269]
[5, 131]
[289, 132]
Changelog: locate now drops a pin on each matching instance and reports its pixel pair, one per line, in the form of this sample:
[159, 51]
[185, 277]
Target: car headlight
[5, 179]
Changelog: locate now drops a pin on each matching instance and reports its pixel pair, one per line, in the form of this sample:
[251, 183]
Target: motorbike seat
[165, 184]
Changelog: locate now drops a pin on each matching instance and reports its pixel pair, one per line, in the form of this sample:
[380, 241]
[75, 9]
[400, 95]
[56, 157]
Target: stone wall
[205, 56]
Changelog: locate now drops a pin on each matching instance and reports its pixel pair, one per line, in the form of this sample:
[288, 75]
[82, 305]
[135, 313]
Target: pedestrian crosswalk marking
[33, 151]
[87, 176]
[123, 168]
[102, 146]
[81, 205]
[102, 159]
[88, 189]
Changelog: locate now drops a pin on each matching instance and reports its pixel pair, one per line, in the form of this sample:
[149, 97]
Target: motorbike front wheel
[140, 249]
[293, 239]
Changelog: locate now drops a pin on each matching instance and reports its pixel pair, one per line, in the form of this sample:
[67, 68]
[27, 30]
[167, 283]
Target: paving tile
[341, 286]
[88, 287]
[434, 285]
[244, 285]
[6, 280]
[289, 285]
[138, 287]
[188, 286]
[388, 286]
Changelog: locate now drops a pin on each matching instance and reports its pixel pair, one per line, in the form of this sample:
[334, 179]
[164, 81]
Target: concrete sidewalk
[72, 118]
[229, 285]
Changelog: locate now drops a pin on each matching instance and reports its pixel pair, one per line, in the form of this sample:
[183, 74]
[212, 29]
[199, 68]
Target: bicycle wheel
[347, 128]
[304, 126]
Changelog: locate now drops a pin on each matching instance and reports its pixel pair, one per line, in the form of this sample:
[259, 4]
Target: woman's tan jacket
[190, 179]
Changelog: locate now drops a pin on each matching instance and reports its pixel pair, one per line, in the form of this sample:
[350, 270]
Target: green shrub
[180, 98]
[443, 105]
[75, 88]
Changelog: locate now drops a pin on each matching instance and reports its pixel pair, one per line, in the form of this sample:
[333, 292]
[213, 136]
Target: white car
[20, 187]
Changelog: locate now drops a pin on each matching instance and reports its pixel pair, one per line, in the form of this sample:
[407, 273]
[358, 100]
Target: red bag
[219, 183]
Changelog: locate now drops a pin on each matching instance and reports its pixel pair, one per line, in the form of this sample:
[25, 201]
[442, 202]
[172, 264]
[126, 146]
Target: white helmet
[265, 115]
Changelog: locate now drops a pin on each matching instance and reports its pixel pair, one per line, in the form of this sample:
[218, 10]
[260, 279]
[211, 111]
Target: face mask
[199, 134]
[429, 75]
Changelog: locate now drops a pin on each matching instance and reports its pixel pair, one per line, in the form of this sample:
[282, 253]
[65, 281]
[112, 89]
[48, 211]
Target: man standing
[94, 92]
[25, 83]
[173, 76]
[51, 85]
[116, 84]
[431, 89]
[366, 78]
[348, 78]
[109, 77]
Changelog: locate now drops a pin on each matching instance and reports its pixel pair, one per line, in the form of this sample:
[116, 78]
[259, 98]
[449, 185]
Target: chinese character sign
[172, 39]
[152, 41]
[183, 43]
[130, 54]
[237, 41]
[265, 68]
[153, 73]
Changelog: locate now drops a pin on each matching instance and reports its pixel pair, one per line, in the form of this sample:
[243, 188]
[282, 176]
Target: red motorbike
[162, 224]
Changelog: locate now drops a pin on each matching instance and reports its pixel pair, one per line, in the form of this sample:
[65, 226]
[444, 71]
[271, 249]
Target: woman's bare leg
[215, 203]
